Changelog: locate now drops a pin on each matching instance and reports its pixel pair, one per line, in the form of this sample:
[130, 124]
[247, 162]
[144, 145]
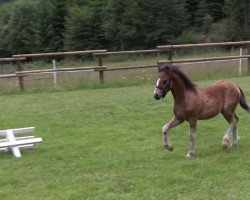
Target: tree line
[28, 26]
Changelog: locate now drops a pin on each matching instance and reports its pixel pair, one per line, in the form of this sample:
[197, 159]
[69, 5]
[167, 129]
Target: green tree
[168, 22]
[201, 13]
[139, 24]
[84, 27]
[238, 19]
[55, 25]
[191, 8]
[97, 10]
[23, 34]
[113, 24]
[216, 9]
[126, 23]
[79, 2]
[78, 33]
[4, 1]
[53, 19]
[45, 15]
[5, 13]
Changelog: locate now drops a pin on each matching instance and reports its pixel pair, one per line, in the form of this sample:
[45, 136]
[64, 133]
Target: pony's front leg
[231, 131]
[165, 131]
[192, 135]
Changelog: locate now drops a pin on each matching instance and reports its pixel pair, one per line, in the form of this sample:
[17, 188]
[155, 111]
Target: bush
[188, 37]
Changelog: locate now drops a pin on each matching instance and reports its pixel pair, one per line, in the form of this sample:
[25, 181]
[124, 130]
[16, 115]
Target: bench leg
[11, 138]
[16, 152]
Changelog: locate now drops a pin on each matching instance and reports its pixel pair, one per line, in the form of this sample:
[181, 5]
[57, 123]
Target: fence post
[54, 73]
[240, 63]
[248, 66]
[19, 68]
[101, 72]
[170, 55]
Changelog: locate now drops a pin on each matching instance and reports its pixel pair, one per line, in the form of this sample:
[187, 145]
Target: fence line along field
[106, 144]
[198, 71]
[104, 71]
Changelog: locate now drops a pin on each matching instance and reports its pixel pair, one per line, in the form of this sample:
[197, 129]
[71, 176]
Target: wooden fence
[171, 48]
[100, 54]
[20, 72]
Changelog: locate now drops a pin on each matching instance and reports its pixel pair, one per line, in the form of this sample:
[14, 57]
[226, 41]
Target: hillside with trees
[29, 26]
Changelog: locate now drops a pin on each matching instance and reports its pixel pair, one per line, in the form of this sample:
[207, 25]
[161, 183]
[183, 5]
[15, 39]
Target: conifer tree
[23, 35]
[84, 26]
[56, 25]
[238, 19]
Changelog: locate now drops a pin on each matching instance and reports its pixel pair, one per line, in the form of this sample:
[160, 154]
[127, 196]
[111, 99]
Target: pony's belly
[210, 112]
[208, 116]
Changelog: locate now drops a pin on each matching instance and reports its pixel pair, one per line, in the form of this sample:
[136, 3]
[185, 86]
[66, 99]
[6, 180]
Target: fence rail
[60, 70]
[171, 48]
[205, 59]
[12, 59]
[182, 46]
[100, 54]
[54, 54]
[125, 52]
[9, 75]
[127, 68]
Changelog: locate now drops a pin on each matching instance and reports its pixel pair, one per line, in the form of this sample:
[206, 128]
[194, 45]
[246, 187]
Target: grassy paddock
[106, 144]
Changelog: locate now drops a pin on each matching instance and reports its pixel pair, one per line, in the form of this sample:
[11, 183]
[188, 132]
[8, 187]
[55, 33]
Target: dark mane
[173, 69]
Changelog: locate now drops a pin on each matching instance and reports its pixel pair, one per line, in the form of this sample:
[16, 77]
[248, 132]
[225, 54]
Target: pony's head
[167, 76]
[163, 81]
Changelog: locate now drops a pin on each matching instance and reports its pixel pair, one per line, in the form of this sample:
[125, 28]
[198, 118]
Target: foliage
[238, 19]
[4, 18]
[55, 30]
[169, 20]
[84, 27]
[42, 25]
[22, 33]
[121, 22]
[45, 15]
[189, 36]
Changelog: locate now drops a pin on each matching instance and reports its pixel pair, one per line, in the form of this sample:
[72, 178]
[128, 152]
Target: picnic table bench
[10, 142]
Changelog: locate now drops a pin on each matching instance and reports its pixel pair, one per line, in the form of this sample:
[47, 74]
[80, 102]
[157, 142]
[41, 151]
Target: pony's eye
[165, 82]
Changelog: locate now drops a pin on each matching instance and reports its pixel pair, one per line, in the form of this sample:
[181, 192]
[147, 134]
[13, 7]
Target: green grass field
[106, 144]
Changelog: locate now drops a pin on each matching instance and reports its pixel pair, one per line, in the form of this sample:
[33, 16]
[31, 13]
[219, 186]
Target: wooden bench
[16, 143]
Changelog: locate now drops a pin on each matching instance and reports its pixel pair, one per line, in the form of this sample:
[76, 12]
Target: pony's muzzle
[156, 96]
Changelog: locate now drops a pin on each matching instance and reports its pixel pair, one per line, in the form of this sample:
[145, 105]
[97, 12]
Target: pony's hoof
[169, 147]
[190, 155]
[225, 145]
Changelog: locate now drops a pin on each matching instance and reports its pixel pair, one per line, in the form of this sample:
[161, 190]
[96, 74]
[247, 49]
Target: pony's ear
[159, 66]
[162, 66]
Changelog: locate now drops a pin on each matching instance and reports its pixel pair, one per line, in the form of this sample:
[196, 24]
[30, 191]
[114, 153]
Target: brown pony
[192, 103]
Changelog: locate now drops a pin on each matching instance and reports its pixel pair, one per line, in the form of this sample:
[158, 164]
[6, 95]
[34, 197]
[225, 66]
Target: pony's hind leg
[235, 132]
[165, 131]
[231, 131]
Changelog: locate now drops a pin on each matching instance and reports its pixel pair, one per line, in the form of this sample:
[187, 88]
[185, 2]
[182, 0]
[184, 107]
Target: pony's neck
[178, 89]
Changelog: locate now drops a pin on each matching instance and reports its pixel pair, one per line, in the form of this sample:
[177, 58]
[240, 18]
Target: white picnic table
[10, 142]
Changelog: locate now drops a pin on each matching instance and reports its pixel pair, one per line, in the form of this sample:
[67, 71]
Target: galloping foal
[192, 103]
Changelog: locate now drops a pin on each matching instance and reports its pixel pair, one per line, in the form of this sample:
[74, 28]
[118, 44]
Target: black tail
[243, 101]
